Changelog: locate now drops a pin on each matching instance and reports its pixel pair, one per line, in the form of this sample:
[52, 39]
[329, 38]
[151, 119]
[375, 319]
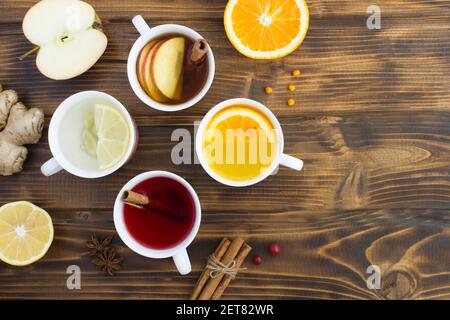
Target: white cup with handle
[148, 34]
[280, 157]
[177, 252]
[65, 136]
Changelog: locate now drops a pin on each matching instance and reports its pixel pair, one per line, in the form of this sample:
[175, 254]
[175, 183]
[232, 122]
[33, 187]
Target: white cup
[65, 131]
[148, 34]
[178, 252]
[280, 157]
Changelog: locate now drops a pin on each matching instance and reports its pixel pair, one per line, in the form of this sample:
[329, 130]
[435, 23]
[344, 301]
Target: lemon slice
[113, 134]
[26, 233]
[235, 118]
[89, 136]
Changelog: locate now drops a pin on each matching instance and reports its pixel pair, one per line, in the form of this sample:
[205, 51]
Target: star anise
[97, 246]
[108, 261]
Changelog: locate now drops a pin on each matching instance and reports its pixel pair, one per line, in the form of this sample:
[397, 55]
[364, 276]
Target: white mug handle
[50, 167]
[291, 162]
[140, 24]
[182, 262]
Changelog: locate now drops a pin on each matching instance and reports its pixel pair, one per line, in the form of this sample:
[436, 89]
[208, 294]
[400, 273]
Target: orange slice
[239, 117]
[266, 29]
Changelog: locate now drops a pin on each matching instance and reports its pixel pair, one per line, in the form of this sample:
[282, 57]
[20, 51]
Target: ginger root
[18, 126]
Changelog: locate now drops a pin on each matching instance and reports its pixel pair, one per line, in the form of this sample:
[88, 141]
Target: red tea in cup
[169, 219]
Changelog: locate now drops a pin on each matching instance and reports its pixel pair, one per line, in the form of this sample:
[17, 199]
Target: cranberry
[274, 249]
[257, 260]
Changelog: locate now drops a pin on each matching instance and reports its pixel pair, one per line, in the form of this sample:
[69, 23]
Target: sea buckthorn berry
[268, 90]
[291, 102]
[296, 73]
[291, 88]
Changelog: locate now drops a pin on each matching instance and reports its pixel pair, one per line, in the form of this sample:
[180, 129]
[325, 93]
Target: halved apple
[149, 85]
[68, 34]
[167, 67]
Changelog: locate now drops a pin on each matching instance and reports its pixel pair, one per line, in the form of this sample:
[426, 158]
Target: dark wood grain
[325, 255]
[372, 123]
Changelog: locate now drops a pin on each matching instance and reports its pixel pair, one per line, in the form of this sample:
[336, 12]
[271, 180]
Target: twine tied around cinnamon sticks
[222, 267]
[218, 268]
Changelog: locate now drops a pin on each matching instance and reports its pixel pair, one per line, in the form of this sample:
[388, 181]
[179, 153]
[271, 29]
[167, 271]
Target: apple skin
[167, 67]
[141, 62]
[149, 85]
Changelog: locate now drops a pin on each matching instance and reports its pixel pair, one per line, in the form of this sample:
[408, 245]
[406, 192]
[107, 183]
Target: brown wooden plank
[345, 67]
[213, 9]
[356, 160]
[325, 255]
[371, 123]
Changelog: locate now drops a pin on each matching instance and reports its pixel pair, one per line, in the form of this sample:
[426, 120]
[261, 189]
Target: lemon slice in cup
[113, 133]
[89, 136]
[26, 233]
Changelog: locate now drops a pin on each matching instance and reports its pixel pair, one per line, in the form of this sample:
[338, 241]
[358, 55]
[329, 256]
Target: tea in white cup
[158, 53]
[91, 135]
[151, 232]
[240, 142]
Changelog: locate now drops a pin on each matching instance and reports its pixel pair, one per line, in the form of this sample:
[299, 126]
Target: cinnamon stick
[134, 198]
[243, 253]
[218, 253]
[229, 256]
[198, 52]
[142, 201]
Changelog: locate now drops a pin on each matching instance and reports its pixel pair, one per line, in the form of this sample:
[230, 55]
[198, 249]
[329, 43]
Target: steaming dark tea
[173, 69]
[168, 220]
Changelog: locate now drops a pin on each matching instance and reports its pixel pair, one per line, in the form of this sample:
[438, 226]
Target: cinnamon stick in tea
[198, 52]
[218, 253]
[196, 55]
[243, 253]
[134, 198]
[142, 201]
[229, 256]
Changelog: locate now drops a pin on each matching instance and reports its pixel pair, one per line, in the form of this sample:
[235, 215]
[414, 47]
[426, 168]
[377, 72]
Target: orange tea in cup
[239, 143]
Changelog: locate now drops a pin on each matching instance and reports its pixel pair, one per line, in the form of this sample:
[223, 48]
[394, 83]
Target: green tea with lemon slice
[106, 135]
[239, 143]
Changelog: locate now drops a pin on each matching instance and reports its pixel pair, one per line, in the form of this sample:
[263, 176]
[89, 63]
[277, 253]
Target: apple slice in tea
[167, 67]
[149, 85]
[140, 70]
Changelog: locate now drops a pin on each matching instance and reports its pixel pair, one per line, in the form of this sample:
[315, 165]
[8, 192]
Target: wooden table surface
[371, 122]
